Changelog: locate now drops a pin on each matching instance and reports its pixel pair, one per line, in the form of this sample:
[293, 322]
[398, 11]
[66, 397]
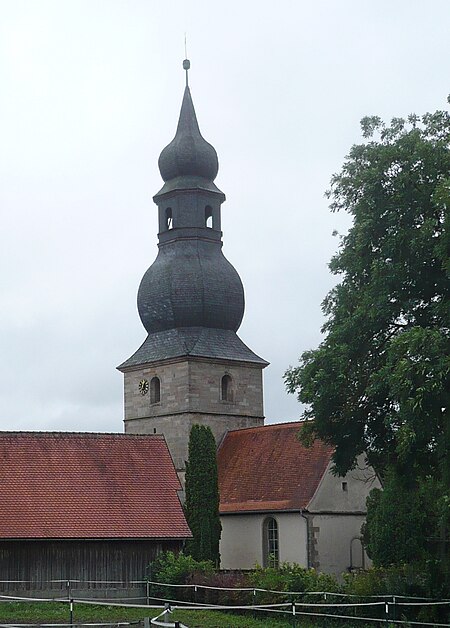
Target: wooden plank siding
[37, 563]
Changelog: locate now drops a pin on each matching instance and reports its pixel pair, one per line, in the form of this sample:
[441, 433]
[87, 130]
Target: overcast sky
[90, 93]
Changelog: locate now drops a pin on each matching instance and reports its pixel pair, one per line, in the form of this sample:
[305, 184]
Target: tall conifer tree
[202, 495]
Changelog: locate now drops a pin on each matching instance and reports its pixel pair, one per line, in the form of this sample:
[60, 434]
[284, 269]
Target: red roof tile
[267, 468]
[84, 485]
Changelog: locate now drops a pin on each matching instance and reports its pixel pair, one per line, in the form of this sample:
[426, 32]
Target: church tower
[192, 367]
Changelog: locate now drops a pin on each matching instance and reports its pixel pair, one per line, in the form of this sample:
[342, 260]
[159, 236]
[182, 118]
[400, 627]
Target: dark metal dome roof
[188, 154]
[191, 284]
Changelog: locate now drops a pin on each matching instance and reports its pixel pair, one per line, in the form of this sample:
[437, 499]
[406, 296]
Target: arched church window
[169, 219]
[155, 390]
[226, 391]
[271, 551]
[208, 217]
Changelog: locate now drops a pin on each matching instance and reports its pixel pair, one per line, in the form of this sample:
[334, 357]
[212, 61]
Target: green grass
[59, 612]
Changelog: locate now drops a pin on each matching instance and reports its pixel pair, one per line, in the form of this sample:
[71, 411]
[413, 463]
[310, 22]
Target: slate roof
[190, 284]
[63, 485]
[267, 468]
[188, 155]
[204, 342]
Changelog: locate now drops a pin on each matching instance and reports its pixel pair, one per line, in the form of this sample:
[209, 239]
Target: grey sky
[90, 93]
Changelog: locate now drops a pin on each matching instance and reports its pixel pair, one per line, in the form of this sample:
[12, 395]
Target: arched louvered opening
[208, 217]
[155, 390]
[169, 219]
[226, 389]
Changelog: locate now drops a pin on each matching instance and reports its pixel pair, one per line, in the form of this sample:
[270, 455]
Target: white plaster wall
[241, 541]
[241, 545]
[333, 535]
[337, 516]
[330, 496]
[293, 533]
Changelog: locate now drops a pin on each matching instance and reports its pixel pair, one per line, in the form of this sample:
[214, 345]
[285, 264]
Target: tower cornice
[183, 185]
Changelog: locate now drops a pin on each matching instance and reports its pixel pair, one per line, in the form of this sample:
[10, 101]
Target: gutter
[266, 511]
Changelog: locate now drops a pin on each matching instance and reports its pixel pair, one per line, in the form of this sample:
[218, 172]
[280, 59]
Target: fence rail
[391, 609]
[127, 584]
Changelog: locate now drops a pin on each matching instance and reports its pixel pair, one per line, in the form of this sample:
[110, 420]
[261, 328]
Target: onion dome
[188, 154]
[191, 284]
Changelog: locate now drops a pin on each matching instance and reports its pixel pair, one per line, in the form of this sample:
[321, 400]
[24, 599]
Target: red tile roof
[84, 485]
[267, 468]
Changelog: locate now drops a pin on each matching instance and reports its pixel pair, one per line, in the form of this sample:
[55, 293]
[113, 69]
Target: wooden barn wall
[37, 563]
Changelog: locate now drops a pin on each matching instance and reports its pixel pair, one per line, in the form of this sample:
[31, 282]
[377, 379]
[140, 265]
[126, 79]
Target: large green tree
[202, 495]
[379, 381]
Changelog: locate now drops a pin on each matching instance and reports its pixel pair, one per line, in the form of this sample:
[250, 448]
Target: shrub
[290, 578]
[171, 568]
[409, 580]
[396, 580]
[222, 580]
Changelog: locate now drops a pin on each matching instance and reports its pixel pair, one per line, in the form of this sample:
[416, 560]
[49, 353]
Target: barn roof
[63, 485]
[267, 468]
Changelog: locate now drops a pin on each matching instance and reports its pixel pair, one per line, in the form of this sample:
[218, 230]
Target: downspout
[308, 549]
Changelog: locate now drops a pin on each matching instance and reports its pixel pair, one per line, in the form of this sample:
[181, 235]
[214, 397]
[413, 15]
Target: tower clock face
[143, 386]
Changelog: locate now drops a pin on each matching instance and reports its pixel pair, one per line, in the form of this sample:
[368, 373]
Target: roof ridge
[63, 434]
[268, 426]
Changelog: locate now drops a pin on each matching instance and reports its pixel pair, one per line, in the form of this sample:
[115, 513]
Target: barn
[81, 512]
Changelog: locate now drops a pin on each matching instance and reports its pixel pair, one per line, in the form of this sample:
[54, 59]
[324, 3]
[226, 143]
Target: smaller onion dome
[188, 154]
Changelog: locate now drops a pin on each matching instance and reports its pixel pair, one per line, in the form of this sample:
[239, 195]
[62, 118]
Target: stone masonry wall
[195, 386]
[176, 429]
[191, 393]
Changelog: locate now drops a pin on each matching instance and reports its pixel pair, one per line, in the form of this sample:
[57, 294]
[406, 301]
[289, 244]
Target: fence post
[68, 590]
[166, 617]
[147, 587]
[293, 614]
[386, 611]
[71, 611]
